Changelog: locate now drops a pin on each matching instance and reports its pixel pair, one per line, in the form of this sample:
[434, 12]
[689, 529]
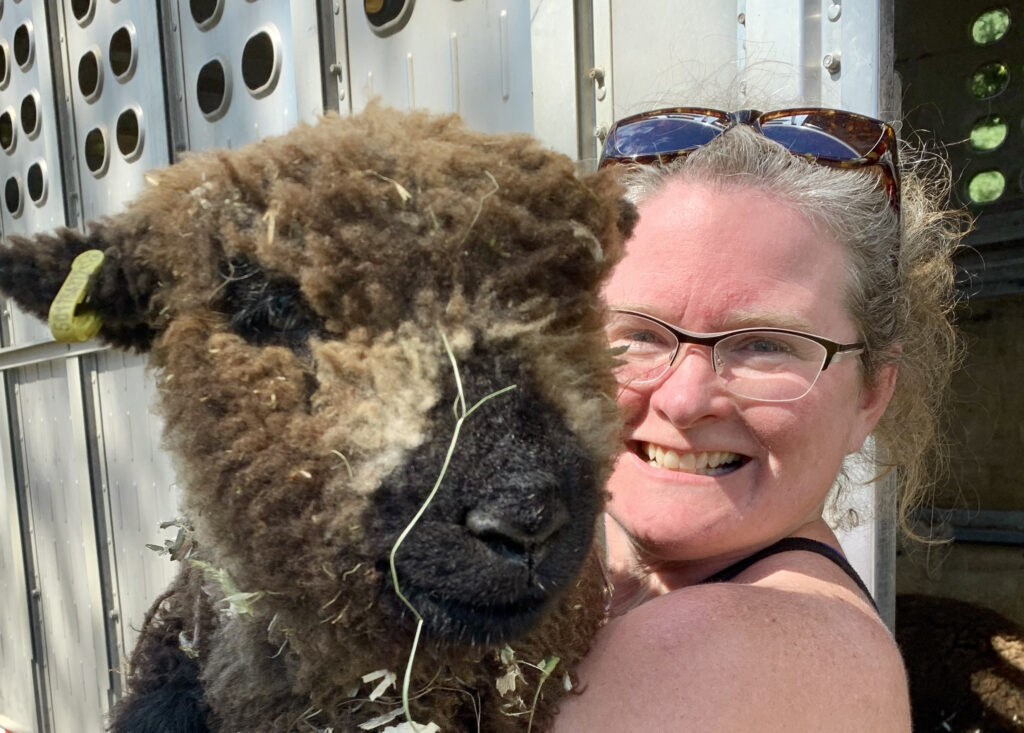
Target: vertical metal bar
[44, 713]
[334, 74]
[106, 556]
[92, 525]
[174, 78]
[586, 101]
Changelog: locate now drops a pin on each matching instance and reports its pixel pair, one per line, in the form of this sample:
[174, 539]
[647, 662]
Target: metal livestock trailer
[93, 93]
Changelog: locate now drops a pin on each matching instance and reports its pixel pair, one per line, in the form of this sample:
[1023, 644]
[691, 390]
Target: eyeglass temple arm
[841, 351]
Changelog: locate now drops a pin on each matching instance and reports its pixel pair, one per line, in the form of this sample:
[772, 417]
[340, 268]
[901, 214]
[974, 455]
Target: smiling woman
[770, 314]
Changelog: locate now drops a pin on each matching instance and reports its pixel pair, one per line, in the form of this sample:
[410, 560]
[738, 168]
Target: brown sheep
[965, 664]
[319, 310]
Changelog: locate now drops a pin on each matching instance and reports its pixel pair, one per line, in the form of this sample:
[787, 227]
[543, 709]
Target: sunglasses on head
[829, 137]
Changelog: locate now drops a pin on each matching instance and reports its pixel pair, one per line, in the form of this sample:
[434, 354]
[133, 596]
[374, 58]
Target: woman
[733, 609]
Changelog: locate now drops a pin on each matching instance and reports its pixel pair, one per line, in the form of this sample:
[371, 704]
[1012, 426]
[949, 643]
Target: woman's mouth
[705, 463]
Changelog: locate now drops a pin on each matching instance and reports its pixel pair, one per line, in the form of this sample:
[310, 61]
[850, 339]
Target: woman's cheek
[631, 405]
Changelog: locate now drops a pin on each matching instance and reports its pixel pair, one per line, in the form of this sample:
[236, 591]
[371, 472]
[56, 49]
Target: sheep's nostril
[511, 536]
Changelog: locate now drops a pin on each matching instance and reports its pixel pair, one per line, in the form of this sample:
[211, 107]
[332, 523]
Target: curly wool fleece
[295, 297]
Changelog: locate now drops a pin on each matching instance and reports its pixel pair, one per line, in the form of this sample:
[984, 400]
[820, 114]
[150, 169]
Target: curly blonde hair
[900, 291]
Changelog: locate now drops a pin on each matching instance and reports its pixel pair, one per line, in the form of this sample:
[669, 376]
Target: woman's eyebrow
[768, 319]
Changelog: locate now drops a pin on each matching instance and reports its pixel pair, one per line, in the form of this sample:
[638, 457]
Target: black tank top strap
[789, 544]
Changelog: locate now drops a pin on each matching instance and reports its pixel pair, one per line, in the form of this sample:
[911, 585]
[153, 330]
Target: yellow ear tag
[65, 324]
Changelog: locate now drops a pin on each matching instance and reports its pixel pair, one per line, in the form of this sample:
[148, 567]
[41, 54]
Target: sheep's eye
[265, 308]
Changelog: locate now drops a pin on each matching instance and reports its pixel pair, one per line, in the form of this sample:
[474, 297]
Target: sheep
[965, 664]
[379, 352]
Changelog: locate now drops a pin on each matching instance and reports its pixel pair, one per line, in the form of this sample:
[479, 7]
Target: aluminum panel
[673, 52]
[138, 484]
[246, 68]
[56, 475]
[470, 58]
[30, 163]
[17, 693]
[553, 57]
[115, 86]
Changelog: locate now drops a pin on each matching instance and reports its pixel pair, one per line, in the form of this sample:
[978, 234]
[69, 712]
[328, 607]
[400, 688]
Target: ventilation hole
[82, 10]
[386, 14]
[212, 89]
[5, 66]
[129, 133]
[12, 196]
[7, 131]
[989, 79]
[986, 187]
[206, 13]
[990, 26]
[259, 63]
[989, 133]
[121, 52]
[23, 45]
[35, 182]
[30, 114]
[96, 151]
[89, 79]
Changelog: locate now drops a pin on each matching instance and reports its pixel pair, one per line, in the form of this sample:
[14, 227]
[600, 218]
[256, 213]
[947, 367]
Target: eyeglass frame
[882, 155]
[833, 349]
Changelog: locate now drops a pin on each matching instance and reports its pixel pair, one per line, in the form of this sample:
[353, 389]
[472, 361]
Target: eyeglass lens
[761, 365]
[665, 134]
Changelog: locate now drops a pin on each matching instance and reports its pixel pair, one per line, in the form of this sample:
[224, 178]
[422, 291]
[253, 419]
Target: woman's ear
[871, 404]
[117, 292]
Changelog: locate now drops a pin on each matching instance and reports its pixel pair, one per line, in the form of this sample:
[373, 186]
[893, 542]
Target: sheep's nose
[510, 535]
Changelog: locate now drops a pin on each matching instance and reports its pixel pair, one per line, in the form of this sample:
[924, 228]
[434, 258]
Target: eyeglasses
[830, 137]
[766, 364]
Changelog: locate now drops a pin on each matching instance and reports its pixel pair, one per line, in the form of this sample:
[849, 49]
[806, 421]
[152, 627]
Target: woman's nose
[691, 390]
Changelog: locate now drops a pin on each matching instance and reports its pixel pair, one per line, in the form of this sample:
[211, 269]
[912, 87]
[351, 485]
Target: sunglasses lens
[825, 134]
[662, 134]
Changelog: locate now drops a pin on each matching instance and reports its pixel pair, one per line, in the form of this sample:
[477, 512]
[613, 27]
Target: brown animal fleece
[296, 297]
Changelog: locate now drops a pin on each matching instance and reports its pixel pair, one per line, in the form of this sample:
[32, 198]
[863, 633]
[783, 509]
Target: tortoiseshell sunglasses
[830, 137]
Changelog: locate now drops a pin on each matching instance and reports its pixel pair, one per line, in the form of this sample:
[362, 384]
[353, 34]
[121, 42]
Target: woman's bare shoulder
[781, 653]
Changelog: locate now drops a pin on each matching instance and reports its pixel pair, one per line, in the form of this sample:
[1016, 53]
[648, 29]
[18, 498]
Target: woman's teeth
[700, 463]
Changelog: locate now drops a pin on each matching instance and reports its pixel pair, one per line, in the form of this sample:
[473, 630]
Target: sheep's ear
[104, 294]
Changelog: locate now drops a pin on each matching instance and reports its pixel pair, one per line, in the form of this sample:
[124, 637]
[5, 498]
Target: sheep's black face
[511, 523]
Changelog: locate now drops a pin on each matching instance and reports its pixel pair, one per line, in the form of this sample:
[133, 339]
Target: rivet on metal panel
[831, 62]
[834, 11]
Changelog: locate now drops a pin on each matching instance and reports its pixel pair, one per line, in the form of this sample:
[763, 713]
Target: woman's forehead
[727, 248]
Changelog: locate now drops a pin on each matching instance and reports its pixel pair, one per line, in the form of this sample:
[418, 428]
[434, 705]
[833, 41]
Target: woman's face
[709, 260]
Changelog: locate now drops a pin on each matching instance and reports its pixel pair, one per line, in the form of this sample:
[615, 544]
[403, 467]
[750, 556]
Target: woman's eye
[639, 342]
[760, 345]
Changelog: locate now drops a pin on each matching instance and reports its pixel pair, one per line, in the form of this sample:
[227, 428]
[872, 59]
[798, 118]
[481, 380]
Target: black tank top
[789, 544]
